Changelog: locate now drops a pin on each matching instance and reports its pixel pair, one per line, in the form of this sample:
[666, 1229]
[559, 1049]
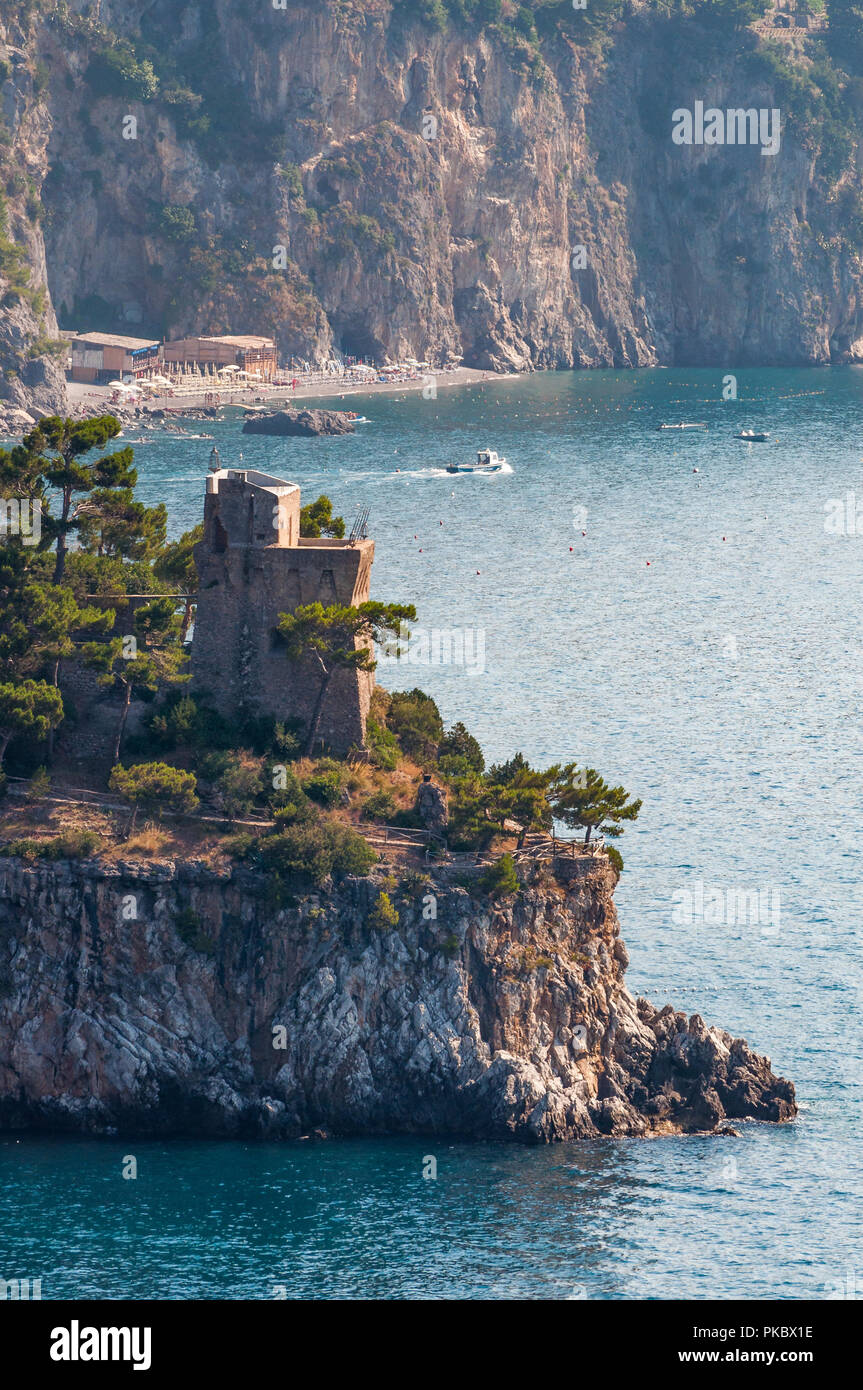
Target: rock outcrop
[166, 999]
[431, 807]
[301, 422]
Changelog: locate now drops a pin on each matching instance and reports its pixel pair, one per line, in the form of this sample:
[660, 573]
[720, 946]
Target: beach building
[230, 353]
[104, 357]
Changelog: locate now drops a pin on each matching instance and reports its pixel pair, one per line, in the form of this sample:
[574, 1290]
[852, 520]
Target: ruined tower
[253, 565]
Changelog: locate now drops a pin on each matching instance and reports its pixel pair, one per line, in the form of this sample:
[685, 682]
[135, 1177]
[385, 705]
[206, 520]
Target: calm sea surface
[702, 644]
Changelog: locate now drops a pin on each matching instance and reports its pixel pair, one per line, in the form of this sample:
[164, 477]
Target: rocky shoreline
[170, 998]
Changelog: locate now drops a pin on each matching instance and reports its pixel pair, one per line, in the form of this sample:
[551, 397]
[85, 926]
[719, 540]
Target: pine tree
[149, 656]
[54, 460]
[580, 797]
[27, 707]
[316, 519]
[176, 566]
[337, 639]
[156, 787]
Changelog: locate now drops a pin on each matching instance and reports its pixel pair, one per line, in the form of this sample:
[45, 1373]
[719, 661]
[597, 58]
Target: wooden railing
[535, 847]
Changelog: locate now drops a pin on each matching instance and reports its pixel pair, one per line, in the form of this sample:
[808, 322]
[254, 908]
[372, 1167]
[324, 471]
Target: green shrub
[238, 786]
[292, 179]
[415, 720]
[500, 878]
[289, 803]
[380, 806]
[352, 854]
[39, 785]
[155, 787]
[70, 844]
[176, 222]
[115, 71]
[383, 746]
[185, 722]
[383, 915]
[313, 851]
[458, 744]
[415, 884]
[615, 857]
[286, 740]
[190, 931]
[21, 849]
[240, 846]
[324, 787]
[472, 822]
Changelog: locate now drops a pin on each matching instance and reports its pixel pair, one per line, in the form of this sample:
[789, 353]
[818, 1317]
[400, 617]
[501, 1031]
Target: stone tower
[253, 565]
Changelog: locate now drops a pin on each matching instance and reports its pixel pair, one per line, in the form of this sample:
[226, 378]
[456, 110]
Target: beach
[85, 397]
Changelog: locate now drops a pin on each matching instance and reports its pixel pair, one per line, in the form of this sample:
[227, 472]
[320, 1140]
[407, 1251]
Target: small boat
[753, 436]
[686, 426]
[487, 461]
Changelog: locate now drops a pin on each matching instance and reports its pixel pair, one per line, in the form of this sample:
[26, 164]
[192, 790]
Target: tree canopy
[581, 798]
[155, 787]
[337, 638]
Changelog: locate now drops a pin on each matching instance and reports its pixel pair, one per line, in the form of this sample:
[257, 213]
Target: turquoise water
[722, 683]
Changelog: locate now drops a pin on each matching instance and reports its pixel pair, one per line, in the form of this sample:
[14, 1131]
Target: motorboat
[685, 426]
[753, 436]
[487, 461]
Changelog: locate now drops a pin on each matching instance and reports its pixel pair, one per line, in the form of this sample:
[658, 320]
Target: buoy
[648, 564]
[570, 547]
[477, 571]
[723, 538]
[695, 470]
[584, 533]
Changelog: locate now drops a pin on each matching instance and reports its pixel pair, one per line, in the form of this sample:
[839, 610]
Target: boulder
[300, 422]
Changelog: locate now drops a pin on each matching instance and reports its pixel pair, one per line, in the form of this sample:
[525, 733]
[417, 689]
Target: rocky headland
[171, 998]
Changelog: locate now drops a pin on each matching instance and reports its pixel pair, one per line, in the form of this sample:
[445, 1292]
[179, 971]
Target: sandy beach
[85, 396]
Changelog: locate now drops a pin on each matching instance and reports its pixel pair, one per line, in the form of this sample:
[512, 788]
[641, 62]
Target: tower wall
[252, 566]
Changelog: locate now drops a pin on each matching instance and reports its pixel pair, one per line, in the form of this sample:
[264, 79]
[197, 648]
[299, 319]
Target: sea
[679, 609]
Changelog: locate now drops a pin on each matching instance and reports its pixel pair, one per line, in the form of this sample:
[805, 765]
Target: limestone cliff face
[28, 375]
[508, 1020]
[424, 192]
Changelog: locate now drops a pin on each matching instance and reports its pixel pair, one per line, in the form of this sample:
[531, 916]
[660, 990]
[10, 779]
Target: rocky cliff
[392, 178]
[162, 998]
